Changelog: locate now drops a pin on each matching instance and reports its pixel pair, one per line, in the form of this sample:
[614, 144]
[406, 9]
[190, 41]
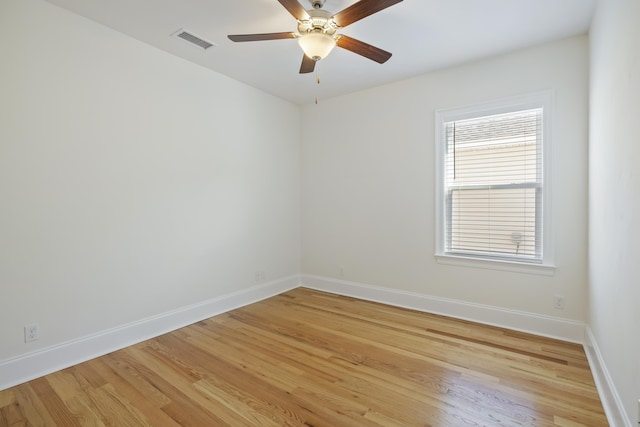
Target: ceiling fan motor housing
[320, 21]
[317, 4]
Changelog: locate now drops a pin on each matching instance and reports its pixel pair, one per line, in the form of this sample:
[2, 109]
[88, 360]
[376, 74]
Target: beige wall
[368, 182]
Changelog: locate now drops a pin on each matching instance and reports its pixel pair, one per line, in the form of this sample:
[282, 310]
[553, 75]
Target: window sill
[490, 264]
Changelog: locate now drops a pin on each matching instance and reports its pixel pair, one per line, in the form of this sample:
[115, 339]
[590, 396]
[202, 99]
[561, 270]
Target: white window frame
[542, 100]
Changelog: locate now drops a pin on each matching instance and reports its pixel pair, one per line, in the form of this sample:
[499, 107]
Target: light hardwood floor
[307, 358]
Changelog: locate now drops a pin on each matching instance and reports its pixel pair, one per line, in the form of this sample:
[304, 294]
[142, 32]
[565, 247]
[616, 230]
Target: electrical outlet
[341, 270]
[260, 276]
[559, 302]
[31, 333]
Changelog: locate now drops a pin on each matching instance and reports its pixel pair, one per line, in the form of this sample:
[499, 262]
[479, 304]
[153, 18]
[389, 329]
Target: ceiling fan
[317, 31]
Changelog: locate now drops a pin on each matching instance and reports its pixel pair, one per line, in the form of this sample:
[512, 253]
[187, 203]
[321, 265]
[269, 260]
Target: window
[493, 184]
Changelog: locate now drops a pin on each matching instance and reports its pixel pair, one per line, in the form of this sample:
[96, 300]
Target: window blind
[493, 182]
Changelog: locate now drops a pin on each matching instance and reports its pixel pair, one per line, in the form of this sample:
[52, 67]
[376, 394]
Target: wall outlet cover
[31, 332]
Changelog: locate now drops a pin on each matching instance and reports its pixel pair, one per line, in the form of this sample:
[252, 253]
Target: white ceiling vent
[193, 39]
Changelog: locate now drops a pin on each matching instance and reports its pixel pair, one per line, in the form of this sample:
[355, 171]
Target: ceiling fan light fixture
[316, 45]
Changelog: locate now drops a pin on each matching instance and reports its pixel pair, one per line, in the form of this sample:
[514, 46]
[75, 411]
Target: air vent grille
[193, 39]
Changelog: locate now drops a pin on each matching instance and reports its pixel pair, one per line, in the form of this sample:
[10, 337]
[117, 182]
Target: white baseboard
[45, 361]
[608, 395]
[33, 365]
[552, 327]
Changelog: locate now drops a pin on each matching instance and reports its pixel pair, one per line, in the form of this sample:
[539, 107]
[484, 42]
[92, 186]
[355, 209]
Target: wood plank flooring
[307, 358]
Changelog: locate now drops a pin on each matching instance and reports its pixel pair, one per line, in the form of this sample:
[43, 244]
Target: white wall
[368, 182]
[614, 198]
[132, 182]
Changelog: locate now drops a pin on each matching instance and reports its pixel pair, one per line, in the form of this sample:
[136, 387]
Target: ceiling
[423, 35]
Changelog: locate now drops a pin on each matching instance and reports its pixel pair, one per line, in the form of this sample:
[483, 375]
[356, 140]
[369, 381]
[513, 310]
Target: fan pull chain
[318, 82]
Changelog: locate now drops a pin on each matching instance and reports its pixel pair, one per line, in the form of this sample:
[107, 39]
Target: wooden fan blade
[308, 65]
[363, 49]
[295, 9]
[259, 37]
[360, 10]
